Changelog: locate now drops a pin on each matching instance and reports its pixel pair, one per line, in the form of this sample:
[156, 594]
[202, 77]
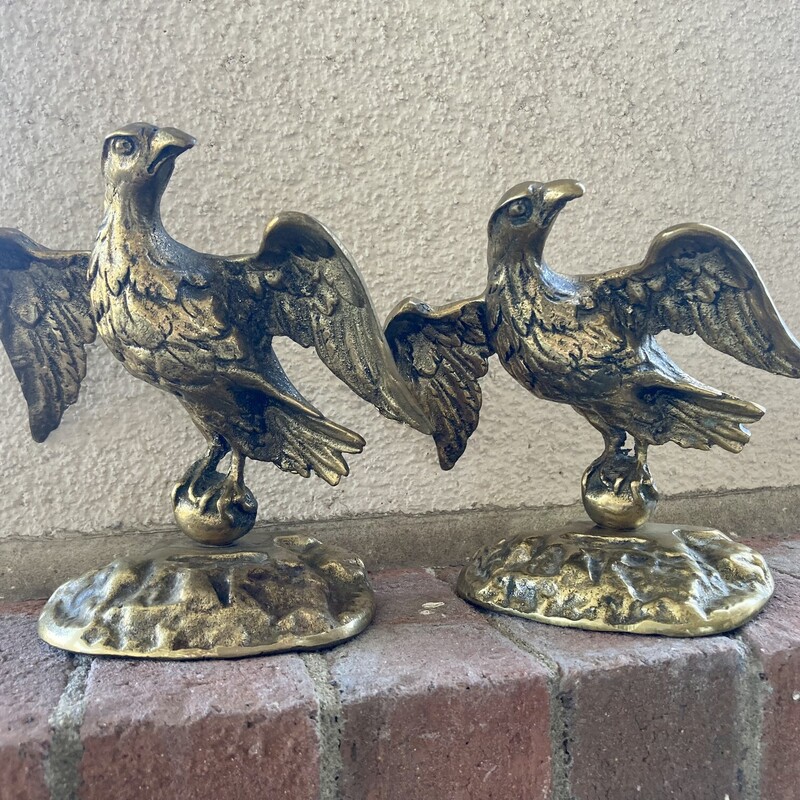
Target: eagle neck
[134, 212]
[131, 223]
[527, 273]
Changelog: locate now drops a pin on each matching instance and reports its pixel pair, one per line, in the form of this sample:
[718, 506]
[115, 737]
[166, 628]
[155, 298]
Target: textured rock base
[434, 700]
[210, 602]
[674, 581]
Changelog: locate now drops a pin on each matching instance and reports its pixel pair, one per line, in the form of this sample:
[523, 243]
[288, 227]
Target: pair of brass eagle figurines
[201, 328]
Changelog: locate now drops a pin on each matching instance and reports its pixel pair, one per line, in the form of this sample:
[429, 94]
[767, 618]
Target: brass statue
[588, 341]
[201, 327]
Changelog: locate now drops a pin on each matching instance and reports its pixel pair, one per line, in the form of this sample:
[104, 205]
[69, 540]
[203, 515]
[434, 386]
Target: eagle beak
[558, 193]
[167, 144]
[555, 195]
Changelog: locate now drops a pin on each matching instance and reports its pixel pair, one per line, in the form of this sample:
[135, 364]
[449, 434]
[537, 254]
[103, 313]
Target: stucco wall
[399, 125]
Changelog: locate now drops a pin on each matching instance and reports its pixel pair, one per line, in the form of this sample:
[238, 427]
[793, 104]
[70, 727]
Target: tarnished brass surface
[589, 341]
[211, 602]
[613, 499]
[200, 327]
[674, 581]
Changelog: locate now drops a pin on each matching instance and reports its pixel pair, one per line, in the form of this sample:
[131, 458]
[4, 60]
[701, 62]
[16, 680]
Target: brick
[200, 729]
[435, 702]
[644, 717]
[783, 556]
[415, 595]
[439, 706]
[774, 638]
[32, 678]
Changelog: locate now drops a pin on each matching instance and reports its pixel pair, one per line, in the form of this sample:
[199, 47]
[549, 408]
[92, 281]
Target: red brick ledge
[435, 700]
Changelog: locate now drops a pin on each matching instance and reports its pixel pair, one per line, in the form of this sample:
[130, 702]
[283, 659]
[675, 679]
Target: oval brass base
[662, 579]
[294, 593]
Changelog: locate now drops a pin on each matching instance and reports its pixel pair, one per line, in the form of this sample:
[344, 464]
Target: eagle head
[526, 212]
[140, 155]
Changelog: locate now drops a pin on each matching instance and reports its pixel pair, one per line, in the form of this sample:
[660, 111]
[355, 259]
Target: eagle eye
[519, 210]
[123, 146]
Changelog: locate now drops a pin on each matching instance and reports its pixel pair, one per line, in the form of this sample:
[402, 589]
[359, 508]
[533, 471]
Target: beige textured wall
[399, 124]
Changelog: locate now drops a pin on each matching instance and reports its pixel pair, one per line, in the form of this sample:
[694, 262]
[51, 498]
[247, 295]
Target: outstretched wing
[443, 353]
[697, 279]
[45, 323]
[315, 296]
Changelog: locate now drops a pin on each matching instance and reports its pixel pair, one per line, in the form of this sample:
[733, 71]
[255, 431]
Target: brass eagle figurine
[589, 341]
[200, 327]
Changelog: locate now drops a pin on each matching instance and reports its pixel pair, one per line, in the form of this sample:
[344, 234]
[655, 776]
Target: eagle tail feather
[311, 444]
[699, 420]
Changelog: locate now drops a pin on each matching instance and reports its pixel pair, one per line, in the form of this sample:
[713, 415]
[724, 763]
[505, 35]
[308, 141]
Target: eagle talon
[199, 477]
[204, 499]
[618, 491]
[233, 494]
[211, 507]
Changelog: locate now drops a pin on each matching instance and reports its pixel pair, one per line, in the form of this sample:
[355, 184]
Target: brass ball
[212, 526]
[623, 507]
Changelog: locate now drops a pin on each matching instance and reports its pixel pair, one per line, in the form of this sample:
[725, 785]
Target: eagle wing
[45, 324]
[697, 279]
[443, 353]
[315, 296]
